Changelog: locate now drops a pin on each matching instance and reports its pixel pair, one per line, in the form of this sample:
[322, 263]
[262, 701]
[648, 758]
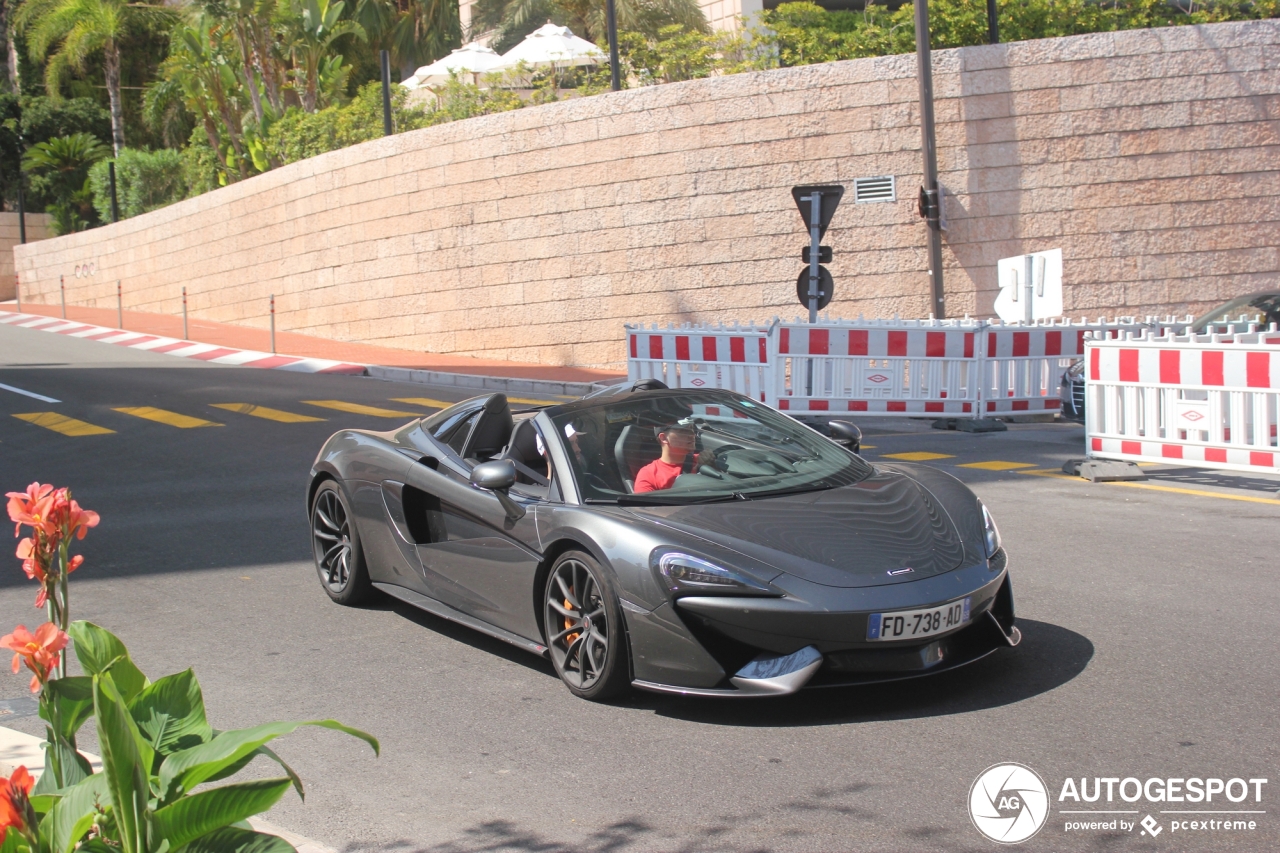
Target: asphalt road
[1150, 618]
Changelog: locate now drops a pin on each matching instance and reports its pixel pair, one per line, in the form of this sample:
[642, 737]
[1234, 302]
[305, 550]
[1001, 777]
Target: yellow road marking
[163, 416]
[868, 447]
[996, 465]
[535, 402]
[63, 424]
[423, 401]
[918, 456]
[1201, 493]
[1198, 493]
[358, 409]
[264, 412]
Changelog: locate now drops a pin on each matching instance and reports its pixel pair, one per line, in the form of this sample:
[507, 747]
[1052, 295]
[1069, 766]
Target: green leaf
[72, 816]
[198, 814]
[99, 651]
[64, 766]
[170, 713]
[183, 770]
[68, 702]
[13, 842]
[266, 752]
[125, 759]
[233, 840]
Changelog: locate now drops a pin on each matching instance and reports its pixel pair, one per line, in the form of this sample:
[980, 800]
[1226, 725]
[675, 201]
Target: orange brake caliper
[568, 623]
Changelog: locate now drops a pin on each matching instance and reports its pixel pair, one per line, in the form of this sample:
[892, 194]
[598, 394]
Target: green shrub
[298, 135]
[145, 180]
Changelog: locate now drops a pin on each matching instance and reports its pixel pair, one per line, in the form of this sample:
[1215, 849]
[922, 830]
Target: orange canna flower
[21, 504]
[15, 803]
[39, 650]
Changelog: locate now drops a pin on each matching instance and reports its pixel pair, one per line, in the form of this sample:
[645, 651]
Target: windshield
[683, 447]
[1262, 308]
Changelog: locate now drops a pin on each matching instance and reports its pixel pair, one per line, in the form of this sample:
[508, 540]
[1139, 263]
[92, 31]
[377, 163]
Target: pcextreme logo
[1008, 803]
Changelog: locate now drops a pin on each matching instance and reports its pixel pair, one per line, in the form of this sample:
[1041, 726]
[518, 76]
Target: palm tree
[315, 30]
[70, 32]
[60, 169]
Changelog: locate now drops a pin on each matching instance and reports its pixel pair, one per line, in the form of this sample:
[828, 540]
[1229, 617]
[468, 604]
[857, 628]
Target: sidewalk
[383, 362]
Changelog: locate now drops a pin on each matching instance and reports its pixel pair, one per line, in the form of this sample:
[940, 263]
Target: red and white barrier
[875, 367]
[1202, 400]
[702, 356]
[959, 368]
[1022, 364]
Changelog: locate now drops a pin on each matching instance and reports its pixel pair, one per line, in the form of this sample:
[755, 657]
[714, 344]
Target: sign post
[815, 287]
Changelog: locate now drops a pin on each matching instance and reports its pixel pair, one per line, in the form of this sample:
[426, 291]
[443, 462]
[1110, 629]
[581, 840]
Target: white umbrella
[473, 58]
[552, 45]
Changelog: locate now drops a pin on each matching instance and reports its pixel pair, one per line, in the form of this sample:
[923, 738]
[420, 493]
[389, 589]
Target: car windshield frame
[1266, 303]
[752, 451]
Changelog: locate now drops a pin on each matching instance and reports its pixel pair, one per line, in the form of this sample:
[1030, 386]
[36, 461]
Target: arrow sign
[831, 194]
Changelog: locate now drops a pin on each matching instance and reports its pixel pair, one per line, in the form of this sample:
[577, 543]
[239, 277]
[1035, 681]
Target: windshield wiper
[820, 486]
[668, 499]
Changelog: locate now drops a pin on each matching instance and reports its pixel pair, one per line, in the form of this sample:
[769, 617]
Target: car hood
[852, 536]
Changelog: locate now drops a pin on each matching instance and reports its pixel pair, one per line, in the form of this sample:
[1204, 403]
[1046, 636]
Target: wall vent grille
[880, 188]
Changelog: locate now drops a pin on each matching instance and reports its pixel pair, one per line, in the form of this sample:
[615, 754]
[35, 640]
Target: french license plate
[910, 624]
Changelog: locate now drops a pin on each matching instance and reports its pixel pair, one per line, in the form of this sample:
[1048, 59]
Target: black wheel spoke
[564, 611]
[568, 593]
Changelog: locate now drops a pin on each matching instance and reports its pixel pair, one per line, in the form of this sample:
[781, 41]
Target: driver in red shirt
[677, 443]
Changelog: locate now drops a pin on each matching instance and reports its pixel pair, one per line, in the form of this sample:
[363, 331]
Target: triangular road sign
[831, 194]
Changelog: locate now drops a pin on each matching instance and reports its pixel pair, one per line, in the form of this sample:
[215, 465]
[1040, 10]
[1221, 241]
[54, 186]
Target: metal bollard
[273, 324]
[185, 336]
[119, 306]
[62, 285]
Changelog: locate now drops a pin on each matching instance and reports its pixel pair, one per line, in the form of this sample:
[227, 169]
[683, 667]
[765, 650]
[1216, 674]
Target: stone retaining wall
[10, 231]
[1150, 157]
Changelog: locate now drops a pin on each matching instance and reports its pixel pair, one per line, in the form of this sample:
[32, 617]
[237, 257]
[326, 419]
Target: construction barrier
[1021, 364]
[949, 368]
[705, 356]
[1203, 400]
[876, 367]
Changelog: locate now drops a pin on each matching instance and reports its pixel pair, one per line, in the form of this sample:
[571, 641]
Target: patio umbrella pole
[386, 93]
[611, 22]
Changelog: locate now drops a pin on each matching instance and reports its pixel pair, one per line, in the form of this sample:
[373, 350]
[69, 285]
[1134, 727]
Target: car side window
[453, 433]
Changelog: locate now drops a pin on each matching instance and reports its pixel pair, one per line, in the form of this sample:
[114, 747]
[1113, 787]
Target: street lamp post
[930, 195]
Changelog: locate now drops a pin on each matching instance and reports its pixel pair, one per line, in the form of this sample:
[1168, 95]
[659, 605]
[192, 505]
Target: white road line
[32, 394]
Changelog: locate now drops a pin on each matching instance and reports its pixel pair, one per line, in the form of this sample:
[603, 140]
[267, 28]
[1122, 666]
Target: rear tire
[335, 544]
[585, 633]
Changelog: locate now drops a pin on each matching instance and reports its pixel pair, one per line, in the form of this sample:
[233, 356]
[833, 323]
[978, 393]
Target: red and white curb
[211, 353]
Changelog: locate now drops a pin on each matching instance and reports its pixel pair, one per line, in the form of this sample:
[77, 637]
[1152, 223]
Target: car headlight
[684, 573]
[991, 533]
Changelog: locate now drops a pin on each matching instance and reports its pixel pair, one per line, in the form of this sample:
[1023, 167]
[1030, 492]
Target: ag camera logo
[1008, 803]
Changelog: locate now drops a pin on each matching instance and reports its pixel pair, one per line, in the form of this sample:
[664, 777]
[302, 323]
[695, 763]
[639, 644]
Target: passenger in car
[677, 442]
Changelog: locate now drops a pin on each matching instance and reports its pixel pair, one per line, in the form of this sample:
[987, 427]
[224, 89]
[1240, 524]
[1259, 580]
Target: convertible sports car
[681, 541]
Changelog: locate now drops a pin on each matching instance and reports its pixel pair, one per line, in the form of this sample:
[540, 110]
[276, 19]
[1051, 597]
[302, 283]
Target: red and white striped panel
[875, 342]
[1237, 458]
[1024, 404]
[1190, 366]
[805, 405]
[694, 346]
[1036, 343]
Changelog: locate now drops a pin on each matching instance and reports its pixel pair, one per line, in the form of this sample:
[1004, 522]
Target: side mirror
[494, 476]
[845, 433]
[497, 477]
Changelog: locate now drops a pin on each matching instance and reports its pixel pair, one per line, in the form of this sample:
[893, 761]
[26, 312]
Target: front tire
[335, 544]
[585, 633]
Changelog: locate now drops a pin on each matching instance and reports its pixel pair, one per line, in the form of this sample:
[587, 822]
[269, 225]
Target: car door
[474, 556]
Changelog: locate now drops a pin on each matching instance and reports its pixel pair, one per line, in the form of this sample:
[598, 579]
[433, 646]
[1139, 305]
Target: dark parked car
[1260, 308]
[681, 541]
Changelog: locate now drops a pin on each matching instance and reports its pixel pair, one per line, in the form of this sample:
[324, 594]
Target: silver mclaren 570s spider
[683, 541]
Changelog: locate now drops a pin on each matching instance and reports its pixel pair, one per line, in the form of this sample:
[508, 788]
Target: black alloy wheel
[584, 628]
[336, 547]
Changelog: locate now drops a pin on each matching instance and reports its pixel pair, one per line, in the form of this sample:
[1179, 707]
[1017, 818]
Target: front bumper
[816, 636]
